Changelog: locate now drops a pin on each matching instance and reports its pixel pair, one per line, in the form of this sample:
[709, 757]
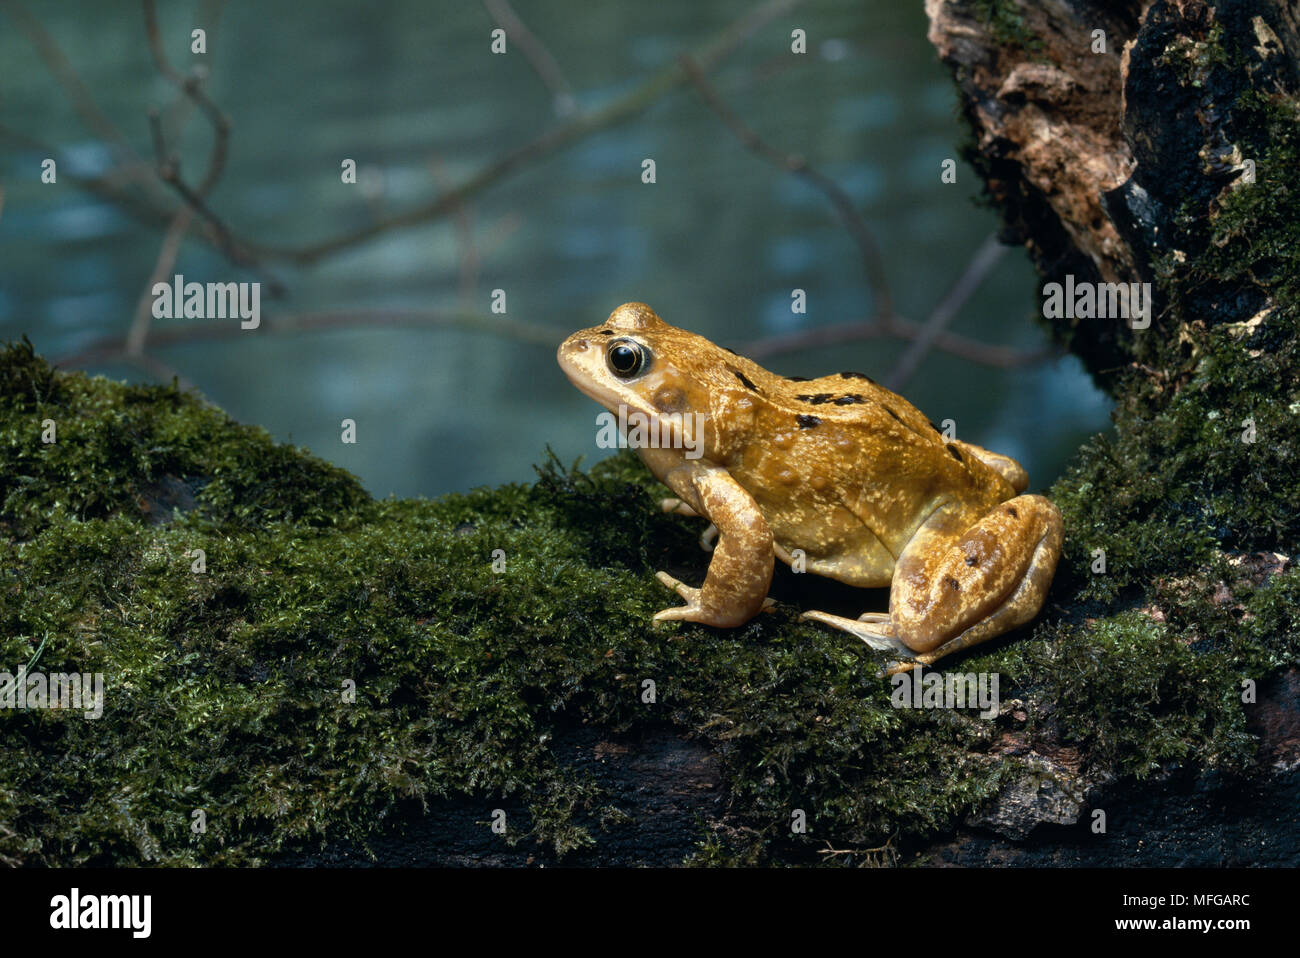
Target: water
[412, 93]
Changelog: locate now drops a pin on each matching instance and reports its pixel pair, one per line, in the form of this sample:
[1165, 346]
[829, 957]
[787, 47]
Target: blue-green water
[412, 92]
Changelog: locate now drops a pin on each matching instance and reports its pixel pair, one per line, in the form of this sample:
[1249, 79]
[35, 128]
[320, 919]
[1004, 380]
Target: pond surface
[412, 92]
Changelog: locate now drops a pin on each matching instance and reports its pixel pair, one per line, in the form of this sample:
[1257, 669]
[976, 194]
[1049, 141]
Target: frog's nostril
[579, 345]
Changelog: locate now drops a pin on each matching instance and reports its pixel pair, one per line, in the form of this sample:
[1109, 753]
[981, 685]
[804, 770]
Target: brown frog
[836, 475]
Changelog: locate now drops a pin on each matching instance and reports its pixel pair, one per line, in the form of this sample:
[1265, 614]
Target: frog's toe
[675, 613]
[693, 610]
[877, 633]
[677, 507]
[687, 592]
[709, 538]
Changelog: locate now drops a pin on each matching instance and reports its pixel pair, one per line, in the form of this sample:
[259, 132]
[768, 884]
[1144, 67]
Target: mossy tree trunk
[1159, 143]
[1138, 142]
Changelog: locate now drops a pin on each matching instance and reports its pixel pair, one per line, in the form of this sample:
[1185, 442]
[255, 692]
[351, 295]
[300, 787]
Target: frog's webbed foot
[693, 610]
[708, 538]
[873, 628]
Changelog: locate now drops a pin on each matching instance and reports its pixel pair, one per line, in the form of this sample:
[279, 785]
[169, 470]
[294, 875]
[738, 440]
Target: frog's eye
[626, 358]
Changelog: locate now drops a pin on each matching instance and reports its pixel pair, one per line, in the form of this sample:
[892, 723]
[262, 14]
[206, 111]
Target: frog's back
[848, 470]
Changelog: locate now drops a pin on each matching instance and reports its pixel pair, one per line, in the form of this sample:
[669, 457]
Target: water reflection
[413, 95]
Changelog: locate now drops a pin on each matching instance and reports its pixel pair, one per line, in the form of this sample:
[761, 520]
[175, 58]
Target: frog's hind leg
[950, 594]
[992, 579]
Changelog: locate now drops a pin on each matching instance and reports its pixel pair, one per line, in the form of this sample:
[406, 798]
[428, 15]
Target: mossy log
[295, 672]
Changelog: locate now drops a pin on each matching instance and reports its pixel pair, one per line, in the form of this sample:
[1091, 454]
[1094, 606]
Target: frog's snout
[570, 348]
[572, 354]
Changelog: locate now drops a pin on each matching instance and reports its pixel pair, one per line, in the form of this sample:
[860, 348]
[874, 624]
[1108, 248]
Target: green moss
[1202, 470]
[225, 689]
[118, 449]
[1251, 240]
[1192, 60]
[1205, 458]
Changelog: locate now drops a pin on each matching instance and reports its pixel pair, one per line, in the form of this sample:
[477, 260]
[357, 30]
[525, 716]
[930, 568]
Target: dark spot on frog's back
[1011, 511]
[807, 422]
[857, 376]
[605, 332]
[816, 399]
[744, 380]
[952, 583]
[796, 379]
[852, 399]
[955, 453]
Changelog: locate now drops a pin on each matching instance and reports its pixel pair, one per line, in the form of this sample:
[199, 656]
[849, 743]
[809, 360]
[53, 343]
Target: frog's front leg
[952, 590]
[735, 587]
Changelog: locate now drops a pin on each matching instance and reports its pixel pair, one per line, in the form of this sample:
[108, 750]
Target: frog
[836, 476]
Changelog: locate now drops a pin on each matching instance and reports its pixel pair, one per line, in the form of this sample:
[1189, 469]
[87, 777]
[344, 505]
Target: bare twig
[535, 52]
[209, 15]
[246, 252]
[79, 95]
[168, 165]
[467, 251]
[108, 186]
[881, 855]
[1002, 357]
[792, 163]
[192, 87]
[169, 171]
[988, 256]
[171, 244]
[885, 323]
[110, 348]
[575, 129]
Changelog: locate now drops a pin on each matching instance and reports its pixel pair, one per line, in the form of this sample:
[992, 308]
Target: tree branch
[792, 163]
[538, 57]
[1002, 357]
[111, 348]
[988, 255]
[553, 140]
[191, 86]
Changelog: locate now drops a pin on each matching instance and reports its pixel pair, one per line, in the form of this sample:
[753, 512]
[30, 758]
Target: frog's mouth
[581, 380]
[569, 360]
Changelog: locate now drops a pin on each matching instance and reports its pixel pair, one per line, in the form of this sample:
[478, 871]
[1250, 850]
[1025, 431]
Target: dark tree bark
[1108, 134]
[1156, 142]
